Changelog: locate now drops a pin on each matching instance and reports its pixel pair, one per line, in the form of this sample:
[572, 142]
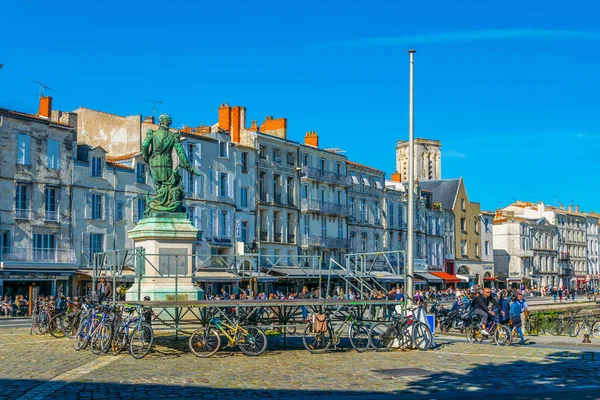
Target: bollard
[586, 338]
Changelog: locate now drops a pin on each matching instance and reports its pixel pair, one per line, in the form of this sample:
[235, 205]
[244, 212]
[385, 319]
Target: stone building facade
[428, 159]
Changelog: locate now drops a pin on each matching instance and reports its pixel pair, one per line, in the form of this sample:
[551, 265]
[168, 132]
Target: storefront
[450, 280]
[47, 283]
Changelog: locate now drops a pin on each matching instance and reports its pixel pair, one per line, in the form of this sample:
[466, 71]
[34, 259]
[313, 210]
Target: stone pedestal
[167, 240]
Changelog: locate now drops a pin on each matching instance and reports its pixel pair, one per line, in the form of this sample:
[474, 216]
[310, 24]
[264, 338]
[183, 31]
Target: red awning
[446, 276]
[489, 278]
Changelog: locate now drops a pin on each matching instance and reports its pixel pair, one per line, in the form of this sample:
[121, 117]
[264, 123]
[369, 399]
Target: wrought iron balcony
[525, 253]
[51, 216]
[327, 242]
[291, 238]
[22, 214]
[277, 237]
[564, 256]
[21, 254]
[372, 190]
[325, 176]
[324, 207]
[264, 236]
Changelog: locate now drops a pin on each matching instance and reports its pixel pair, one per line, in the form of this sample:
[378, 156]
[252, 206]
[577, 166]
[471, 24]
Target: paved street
[41, 367]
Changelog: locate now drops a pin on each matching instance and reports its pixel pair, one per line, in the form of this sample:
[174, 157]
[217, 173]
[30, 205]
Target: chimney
[396, 177]
[570, 207]
[238, 122]
[576, 209]
[225, 117]
[275, 127]
[542, 208]
[562, 207]
[311, 139]
[498, 214]
[254, 126]
[149, 119]
[45, 109]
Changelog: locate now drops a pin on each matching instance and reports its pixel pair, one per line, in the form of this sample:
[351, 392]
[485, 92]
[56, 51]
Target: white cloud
[453, 153]
[490, 34]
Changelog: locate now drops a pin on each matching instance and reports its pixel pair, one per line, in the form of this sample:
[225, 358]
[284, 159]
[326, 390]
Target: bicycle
[41, 317]
[140, 340]
[101, 335]
[319, 342]
[560, 326]
[206, 341]
[588, 325]
[501, 333]
[405, 331]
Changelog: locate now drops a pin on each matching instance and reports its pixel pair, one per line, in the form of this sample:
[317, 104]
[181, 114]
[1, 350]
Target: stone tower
[428, 159]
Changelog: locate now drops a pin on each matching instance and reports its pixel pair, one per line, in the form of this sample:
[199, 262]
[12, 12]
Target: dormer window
[96, 166]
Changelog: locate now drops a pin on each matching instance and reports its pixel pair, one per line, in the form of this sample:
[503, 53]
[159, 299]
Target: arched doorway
[465, 272]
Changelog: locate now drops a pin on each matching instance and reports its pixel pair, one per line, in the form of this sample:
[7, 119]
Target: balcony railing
[277, 237]
[51, 216]
[372, 190]
[264, 236]
[291, 238]
[525, 253]
[564, 257]
[20, 254]
[22, 214]
[324, 207]
[326, 176]
[328, 242]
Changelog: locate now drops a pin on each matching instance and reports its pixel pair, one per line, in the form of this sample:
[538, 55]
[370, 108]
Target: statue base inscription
[167, 240]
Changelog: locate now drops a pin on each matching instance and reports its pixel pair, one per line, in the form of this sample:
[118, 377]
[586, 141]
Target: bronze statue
[156, 151]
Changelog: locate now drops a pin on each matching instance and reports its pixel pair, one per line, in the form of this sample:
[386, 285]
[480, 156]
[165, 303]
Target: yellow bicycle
[206, 341]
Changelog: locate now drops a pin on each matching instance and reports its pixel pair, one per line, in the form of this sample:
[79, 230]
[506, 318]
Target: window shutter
[218, 186]
[197, 217]
[136, 212]
[88, 205]
[126, 207]
[229, 223]
[186, 181]
[106, 207]
[27, 149]
[200, 185]
[198, 155]
[85, 248]
[230, 185]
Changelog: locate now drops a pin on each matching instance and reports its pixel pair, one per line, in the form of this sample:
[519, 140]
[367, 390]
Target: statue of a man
[156, 151]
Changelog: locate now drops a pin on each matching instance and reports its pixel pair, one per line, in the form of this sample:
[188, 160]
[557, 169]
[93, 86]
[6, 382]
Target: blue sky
[510, 88]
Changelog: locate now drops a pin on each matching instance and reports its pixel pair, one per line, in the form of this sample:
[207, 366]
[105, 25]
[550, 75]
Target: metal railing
[327, 242]
[277, 237]
[324, 207]
[371, 190]
[22, 214]
[51, 216]
[291, 238]
[29, 254]
[264, 236]
[326, 176]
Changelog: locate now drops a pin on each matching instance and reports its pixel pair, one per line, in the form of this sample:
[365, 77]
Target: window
[96, 245]
[44, 247]
[304, 191]
[339, 198]
[141, 204]
[322, 165]
[376, 212]
[4, 241]
[244, 162]
[475, 227]
[190, 214]
[23, 149]
[378, 183]
[306, 225]
[211, 222]
[277, 188]
[263, 153]
[340, 229]
[476, 249]
[50, 203]
[21, 198]
[463, 204]
[97, 206]
[276, 156]
[211, 181]
[376, 242]
[223, 149]
[338, 168]
[223, 223]
[391, 214]
[244, 197]
[305, 160]
[323, 227]
[290, 159]
[140, 173]
[96, 166]
[120, 210]
[262, 190]
[353, 240]
[363, 210]
[53, 154]
[355, 180]
[400, 209]
[463, 247]
[352, 207]
[223, 185]
[365, 180]
[290, 191]
[363, 242]
[244, 232]
[463, 224]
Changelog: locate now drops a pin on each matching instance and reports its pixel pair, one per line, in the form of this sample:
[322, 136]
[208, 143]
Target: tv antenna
[155, 104]
[42, 85]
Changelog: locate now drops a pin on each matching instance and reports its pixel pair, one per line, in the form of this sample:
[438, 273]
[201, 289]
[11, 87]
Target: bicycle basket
[319, 323]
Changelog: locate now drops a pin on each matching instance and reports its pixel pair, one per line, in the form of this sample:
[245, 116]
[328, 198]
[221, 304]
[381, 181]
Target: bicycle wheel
[141, 340]
[422, 338]
[573, 329]
[555, 328]
[503, 336]
[56, 326]
[253, 342]
[358, 333]
[595, 331]
[81, 341]
[119, 340]
[316, 342]
[382, 336]
[42, 324]
[473, 334]
[205, 342]
[100, 339]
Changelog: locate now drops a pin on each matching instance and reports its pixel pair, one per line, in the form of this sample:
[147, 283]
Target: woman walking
[515, 318]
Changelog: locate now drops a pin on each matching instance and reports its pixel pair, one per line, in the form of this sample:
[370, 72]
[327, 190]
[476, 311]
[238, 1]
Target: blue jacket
[515, 310]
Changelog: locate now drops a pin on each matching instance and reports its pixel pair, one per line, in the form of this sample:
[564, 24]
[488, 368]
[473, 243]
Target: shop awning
[385, 276]
[489, 278]
[446, 276]
[259, 276]
[215, 276]
[429, 277]
[463, 278]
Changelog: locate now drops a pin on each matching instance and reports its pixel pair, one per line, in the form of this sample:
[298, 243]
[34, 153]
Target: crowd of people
[14, 307]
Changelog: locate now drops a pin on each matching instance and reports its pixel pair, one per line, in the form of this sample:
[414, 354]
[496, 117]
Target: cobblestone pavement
[40, 367]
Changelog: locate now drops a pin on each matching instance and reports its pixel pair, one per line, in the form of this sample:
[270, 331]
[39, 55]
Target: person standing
[572, 295]
[560, 294]
[104, 289]
[515, 318]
